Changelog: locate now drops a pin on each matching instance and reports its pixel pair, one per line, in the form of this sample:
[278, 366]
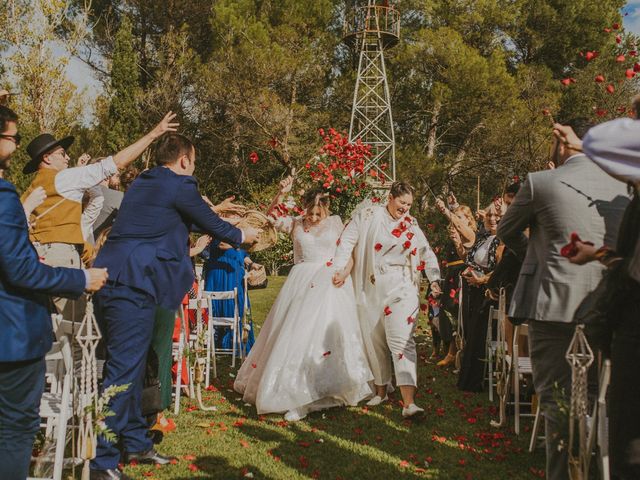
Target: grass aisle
[454, 441]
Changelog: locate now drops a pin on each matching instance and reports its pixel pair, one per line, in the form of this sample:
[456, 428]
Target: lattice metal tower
[370, 30]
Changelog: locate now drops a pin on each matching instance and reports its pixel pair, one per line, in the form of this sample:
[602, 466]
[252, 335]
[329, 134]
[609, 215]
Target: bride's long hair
[316, 197]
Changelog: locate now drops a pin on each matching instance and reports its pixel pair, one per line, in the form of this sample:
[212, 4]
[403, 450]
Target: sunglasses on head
[14, 138]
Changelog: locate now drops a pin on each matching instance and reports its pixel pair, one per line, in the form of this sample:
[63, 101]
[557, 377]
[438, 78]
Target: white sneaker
[412, 411]
[377, 400]
[295, 415]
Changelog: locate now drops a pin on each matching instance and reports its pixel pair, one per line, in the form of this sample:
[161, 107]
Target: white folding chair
[55, 406]
[497, 316]
[519, 366]
[216, 321]
[178, 350]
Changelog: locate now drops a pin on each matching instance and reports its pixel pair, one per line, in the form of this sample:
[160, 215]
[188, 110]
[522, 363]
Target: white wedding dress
[309, 354]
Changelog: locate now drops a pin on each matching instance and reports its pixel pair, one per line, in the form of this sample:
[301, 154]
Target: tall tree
[123, 122]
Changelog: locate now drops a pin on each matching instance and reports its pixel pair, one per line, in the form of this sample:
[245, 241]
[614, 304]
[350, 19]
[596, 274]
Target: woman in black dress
[481, 261]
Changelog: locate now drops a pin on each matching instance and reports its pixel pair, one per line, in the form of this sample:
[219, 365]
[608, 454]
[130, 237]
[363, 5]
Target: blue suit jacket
[148, 248]
[25, 321]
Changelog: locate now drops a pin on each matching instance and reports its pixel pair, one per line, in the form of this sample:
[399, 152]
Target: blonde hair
[466, 211]
[100, 241]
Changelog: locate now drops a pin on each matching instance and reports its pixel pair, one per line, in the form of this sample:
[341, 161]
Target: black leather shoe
[150, 456]
[108, 475]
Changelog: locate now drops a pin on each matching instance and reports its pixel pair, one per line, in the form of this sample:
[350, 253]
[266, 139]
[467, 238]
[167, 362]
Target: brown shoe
[446, 361]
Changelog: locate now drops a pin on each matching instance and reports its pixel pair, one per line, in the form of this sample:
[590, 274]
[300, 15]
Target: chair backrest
[222, 296]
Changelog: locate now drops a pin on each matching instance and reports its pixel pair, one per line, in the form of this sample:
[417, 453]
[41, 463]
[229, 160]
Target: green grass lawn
[453, 441]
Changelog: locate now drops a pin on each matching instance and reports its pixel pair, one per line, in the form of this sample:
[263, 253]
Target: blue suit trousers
[126, 318]
[21, 387]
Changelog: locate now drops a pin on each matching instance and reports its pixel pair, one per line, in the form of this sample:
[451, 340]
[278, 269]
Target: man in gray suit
[578, 197]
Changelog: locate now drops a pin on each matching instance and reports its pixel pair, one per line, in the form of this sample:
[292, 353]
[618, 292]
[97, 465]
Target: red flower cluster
[339, 163]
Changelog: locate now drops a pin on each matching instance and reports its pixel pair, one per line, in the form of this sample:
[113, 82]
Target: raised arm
[283, 188]
[124, 157]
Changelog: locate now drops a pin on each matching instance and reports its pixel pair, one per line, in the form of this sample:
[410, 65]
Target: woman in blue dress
[224, 271]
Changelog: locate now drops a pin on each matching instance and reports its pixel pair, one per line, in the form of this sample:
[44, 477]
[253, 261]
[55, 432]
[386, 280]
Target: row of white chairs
[57, 403]
[202, 338]
[507, 368]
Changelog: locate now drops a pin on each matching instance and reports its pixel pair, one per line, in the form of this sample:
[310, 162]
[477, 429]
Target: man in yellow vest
[55, 224]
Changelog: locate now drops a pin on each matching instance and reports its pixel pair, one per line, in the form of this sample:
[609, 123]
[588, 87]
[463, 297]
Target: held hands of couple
[97, 279]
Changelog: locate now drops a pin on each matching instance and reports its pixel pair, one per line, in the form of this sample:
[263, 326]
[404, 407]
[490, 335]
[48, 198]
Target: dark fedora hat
[40, 145]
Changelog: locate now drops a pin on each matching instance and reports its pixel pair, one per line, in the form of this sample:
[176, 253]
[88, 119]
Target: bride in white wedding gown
[310, 353]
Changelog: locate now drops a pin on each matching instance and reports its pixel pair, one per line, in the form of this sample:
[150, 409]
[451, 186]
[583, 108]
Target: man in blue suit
[147, 255]
[25, 322]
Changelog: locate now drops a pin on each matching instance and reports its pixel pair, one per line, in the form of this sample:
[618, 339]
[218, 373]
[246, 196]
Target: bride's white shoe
[377, 400]
[295, 415]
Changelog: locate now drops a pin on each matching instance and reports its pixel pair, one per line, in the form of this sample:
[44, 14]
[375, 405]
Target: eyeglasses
[14, 138]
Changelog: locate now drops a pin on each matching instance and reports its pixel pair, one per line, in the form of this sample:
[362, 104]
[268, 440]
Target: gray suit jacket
[576, 197]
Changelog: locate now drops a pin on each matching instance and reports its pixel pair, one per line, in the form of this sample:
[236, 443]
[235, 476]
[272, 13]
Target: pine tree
[123, 119]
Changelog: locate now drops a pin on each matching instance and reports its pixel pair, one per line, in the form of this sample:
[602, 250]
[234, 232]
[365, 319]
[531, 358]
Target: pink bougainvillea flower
[599, 79]
[615, 26]
[193, 468]
[629, 73]
[618, 39]
[620, 58]
[601, 112]
[253, 157]
[611, 88]
[565, 81]
[590, 56]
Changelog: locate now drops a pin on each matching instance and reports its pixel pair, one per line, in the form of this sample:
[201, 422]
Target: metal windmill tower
[370, 30]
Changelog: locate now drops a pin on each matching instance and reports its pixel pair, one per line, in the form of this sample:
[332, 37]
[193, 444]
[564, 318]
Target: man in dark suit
[147, 255]
[25, 322]
[579, 197]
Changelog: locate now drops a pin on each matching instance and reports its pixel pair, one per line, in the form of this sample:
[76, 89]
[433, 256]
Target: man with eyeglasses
[25, 324]
[56, 230]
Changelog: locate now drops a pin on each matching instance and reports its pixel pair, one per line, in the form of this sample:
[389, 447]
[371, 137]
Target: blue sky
[82, 75]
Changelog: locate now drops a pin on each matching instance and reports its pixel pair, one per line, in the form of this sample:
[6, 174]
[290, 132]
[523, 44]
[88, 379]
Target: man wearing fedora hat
[56, 223]
[25, 324]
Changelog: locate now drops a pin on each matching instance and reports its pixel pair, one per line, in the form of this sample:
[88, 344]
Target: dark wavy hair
[401, 188]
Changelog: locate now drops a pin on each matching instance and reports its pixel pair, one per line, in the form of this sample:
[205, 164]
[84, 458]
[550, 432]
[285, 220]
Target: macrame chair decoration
[87, 337]
[199, 361]
[580, 357]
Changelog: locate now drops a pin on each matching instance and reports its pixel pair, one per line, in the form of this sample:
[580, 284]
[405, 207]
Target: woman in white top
[309, 354]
